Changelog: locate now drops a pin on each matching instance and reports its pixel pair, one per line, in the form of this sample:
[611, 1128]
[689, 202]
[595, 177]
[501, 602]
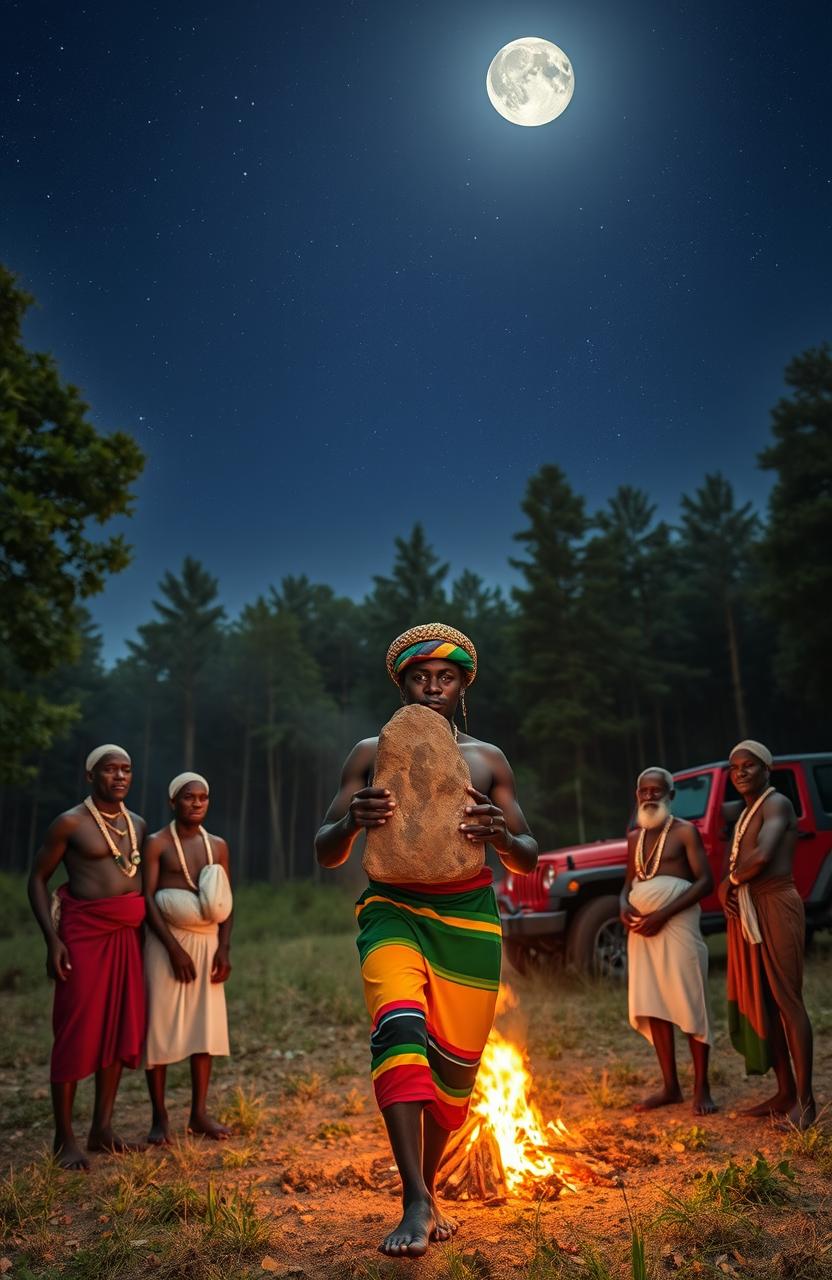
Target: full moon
[530, 81]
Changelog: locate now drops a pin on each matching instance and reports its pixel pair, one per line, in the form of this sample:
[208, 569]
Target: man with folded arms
[92, 928]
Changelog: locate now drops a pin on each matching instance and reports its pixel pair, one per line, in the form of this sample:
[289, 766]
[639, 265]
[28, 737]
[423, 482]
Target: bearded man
[667, 960]
[93, 940]
[766, 939]
[430, 952]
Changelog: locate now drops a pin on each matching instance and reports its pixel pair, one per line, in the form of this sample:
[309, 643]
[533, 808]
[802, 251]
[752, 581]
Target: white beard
[652, 816]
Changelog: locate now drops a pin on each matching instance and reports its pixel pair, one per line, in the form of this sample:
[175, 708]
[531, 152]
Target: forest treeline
[626, 641]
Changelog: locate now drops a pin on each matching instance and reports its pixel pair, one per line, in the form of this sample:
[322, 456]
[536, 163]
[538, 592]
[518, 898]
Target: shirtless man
[766, 939]
[667, 876]
[428, 1031]
[188, 896]
[94, 952]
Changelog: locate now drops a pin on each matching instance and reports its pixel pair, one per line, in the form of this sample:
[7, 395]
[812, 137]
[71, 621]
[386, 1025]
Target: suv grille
[529, 891]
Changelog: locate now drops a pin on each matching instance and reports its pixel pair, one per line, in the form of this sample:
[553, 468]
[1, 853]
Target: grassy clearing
[297, 1095]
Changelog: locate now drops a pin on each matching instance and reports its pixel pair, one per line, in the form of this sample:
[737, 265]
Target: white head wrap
[755, 748]
[663, 773]
[182, 779]
[107, 749]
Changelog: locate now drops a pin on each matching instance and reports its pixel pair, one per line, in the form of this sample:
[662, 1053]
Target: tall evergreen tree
[796, 548]
[627, 567]
[561, 642]
[718, 545]
[179, 643]
[59, 476]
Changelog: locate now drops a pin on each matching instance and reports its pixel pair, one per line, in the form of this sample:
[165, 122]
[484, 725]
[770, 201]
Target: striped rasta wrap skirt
[430, 963]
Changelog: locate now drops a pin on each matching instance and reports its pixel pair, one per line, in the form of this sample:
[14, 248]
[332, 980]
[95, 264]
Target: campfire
[505, 1148]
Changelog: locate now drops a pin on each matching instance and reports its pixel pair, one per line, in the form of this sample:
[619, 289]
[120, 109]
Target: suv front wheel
[597, 940]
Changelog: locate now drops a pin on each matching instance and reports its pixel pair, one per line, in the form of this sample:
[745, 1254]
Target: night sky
[294, 250]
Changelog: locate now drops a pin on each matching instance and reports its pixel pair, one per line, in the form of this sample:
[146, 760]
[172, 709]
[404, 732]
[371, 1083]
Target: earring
[464, 710]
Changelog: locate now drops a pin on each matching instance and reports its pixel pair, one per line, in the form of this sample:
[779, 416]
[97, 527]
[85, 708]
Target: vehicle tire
[517, 956]
[597, 940]
[527, 958]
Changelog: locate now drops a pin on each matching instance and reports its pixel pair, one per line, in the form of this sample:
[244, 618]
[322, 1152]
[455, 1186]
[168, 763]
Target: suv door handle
[806, 835]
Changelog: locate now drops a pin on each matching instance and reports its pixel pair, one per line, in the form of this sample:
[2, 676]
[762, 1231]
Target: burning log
[505, 1148]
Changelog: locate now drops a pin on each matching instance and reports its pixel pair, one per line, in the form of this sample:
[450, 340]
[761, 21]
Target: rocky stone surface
[425, 771]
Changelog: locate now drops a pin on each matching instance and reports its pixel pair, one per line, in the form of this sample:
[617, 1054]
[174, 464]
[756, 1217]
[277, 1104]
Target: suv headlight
[549, 877]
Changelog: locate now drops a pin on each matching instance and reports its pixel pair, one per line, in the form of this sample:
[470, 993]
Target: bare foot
[703, 1103]
[209, 1128]
[106, 1140]
[159, 1135]
[664, 1098]
[445, 1226]
[412, 1234]
[780, 1105]
[68, 1155]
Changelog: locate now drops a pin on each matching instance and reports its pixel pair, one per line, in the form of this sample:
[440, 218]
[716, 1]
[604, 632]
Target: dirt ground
[309, 1151]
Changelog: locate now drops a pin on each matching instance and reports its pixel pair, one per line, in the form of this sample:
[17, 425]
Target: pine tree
[561, 641]
[795, 551]
[179, 643]
[718, 546]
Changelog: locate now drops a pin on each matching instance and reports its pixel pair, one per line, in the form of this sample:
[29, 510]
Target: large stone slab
[425, 771]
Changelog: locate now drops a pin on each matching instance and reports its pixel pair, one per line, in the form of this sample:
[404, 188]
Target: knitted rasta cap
[432, 640]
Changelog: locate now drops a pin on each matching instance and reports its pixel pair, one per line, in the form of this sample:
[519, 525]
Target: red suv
[568, 906]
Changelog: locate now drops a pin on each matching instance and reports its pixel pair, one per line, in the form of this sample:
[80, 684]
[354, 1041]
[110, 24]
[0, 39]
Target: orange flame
[523, 1137]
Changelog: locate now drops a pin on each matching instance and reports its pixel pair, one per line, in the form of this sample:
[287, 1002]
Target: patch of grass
[638, 1256]
[175, 1201]
[600, 1089]
[109, 1253]
[814, 1144]
[28, 1197]
[246, 1112]
[355, 1103]
[331, 1130]
[624, 1073]
[341, 1070]
[235, 1228]
[239, 1157]
[305, 1085]
[188, 1156]
[457, 1265]
[757, 1182]
[594, 1265]
[693, 1139]
[690, 1224]
[296, 910]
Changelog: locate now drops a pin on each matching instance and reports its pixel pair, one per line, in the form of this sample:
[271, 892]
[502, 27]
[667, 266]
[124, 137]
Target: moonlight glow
[530, 81]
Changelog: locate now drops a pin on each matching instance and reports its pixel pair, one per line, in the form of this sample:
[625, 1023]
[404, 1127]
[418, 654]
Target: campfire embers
[505, 1148]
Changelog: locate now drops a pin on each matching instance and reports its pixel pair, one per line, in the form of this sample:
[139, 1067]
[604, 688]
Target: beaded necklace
[181, 853]
[654, 861]
[135, 857]
[742, 826]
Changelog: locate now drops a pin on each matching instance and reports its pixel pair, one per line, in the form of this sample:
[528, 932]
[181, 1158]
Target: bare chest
[172, 875]
[671, 860]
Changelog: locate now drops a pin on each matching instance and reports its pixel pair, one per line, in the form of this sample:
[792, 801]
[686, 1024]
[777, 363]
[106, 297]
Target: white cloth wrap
[668, 973]
[184, 1017]
[748, 916]
[215, 898]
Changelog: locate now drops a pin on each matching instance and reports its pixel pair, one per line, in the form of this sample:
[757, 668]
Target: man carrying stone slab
[429, 929]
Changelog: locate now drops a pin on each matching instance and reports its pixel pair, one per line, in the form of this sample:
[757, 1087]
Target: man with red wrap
[92, 928]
